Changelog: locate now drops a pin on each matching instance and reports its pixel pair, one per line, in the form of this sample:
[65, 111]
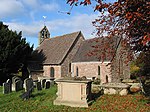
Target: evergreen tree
[14, 52]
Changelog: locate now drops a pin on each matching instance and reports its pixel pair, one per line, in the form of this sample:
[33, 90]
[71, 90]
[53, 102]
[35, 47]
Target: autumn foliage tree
[130, 18]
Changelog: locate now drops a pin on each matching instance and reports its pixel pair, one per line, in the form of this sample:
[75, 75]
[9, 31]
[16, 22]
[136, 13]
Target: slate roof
[54, 50]
[86, 47]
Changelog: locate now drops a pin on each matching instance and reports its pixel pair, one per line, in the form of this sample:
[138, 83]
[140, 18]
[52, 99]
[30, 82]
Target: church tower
[43, 34]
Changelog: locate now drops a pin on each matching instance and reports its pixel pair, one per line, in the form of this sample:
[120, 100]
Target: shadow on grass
[96, 95]
[147, 90]
[145, 101]
[37, 94]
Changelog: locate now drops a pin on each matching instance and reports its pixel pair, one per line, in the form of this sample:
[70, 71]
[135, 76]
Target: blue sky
[27, 16]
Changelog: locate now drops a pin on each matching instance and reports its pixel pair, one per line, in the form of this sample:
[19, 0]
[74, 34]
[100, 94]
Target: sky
[27, 16]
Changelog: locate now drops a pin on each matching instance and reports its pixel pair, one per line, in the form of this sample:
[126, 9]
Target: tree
[123, 17]
[142, 62]
[14, 52]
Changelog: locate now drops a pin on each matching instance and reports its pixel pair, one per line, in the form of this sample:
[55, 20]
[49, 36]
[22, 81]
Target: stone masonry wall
[121, 70]
[57, 70]
[90, 69]
[68, 59]
[36, 74]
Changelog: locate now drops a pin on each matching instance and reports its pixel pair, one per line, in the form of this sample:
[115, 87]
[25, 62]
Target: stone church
[66, 55]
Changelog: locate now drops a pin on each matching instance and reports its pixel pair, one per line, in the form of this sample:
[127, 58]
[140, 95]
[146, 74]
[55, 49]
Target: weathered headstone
[15, 78]
[43, 83]
[9, 82]
[17, 84]
[47, 85]
[26, 95]
[6, 88]
[28, 84]
[38, 86]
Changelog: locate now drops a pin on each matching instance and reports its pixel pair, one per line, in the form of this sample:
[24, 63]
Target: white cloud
[28, 30]
[50, 7]
[17, 8]
[80, 22]
[31, 3]
[38, 6]
[41, 5]
[10, 8]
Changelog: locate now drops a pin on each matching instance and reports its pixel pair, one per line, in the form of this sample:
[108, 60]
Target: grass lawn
[42, 101]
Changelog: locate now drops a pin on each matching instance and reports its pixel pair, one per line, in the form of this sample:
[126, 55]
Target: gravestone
[28, 84]
[38, 86]
[26, 95]
[15, 78]
[9, 81]
[43, 83]
[17, 84]
[47, 85]
[6, 88]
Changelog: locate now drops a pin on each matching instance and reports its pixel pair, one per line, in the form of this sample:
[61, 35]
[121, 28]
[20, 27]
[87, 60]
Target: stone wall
[68, 59]
[57, 70]
[36, 74]
[90, 69]
[121, 69]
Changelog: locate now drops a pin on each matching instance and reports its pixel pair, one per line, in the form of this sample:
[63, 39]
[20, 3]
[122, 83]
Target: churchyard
[41, 99]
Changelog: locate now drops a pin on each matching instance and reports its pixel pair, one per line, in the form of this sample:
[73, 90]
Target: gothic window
[69, 67]
[106, 79]
[52, 72]
[99, 71]
[77, 72]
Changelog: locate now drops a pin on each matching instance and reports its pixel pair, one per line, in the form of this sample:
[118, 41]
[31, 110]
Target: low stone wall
[135, 85]
[115, 88]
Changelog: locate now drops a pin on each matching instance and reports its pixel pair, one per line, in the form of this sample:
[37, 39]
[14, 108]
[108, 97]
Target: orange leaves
[71, 1]
[129, 15]
[85, 2]
[88, 2]
[146, 39]
[110, 11]
[98, 7]
[101, 6]
[116, 4]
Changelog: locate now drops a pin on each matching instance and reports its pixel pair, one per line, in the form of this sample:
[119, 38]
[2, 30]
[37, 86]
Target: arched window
[77, 72]
[52, 72]
[69, 67]
[99, 71]
[106, 79]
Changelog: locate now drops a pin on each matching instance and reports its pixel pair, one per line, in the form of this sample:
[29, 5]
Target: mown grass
[42, 101]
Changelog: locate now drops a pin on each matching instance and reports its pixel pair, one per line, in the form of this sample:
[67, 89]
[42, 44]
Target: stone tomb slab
[73, 93]
[115, 88]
